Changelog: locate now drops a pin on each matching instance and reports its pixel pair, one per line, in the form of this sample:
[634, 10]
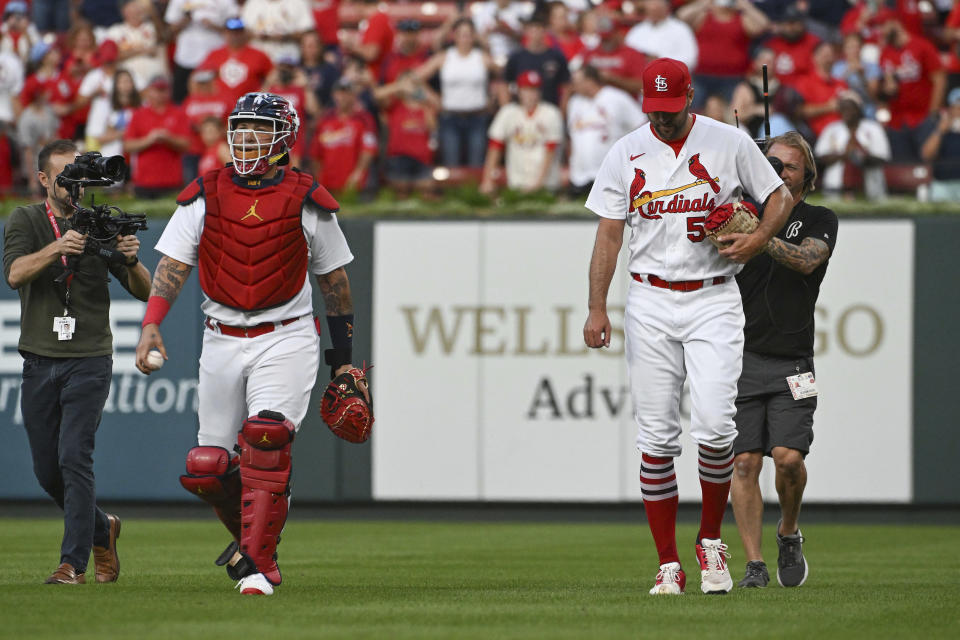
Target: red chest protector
[253, 253]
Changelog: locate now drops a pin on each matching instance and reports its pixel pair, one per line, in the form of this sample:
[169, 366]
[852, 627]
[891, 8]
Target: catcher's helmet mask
[255, 150]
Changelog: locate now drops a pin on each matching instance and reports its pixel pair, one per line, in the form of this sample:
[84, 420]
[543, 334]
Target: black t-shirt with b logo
[779, 302]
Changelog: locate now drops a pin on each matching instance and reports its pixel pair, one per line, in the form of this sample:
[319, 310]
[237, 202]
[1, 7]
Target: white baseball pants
[239, 377]
[674, 334]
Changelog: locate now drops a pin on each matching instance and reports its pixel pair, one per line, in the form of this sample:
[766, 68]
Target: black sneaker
[755, 576]
[791, 565]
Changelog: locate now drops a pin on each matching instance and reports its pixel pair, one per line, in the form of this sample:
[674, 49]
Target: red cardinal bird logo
[639, 179]
[700, 172]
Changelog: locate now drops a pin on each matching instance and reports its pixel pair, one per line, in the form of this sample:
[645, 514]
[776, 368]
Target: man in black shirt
[67, 347]
[776, 395]
[537, 55]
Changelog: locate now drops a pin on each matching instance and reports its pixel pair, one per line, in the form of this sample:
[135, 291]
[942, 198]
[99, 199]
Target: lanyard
[63, 259]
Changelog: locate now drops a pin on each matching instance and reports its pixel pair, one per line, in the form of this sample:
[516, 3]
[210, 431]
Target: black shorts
[767, 415]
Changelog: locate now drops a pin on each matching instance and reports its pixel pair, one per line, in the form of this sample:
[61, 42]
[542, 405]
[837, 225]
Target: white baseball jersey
[834, 140]
[594, 124]
[526, 136]
[665, 198]
[277, 18]
[328, 251]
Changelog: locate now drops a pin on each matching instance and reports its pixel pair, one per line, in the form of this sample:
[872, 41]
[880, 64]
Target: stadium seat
[909, 178]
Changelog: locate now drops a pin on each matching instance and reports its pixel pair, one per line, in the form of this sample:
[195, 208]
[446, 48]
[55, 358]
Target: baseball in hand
[154, 359]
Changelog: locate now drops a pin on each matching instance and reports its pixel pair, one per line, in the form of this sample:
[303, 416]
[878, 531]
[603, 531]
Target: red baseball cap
[530, 79]
[106, 52]
[665, 85]
[883, 16]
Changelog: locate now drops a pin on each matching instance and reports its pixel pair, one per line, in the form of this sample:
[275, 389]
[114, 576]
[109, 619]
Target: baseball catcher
[256, 230]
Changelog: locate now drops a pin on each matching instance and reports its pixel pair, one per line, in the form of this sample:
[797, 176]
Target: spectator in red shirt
[156, 137]
[408, 53]
[204, 100]
[724, 29]
[345, 142]
[216, 152]
[326, 15]
[376, 40]
[951, 34]
[820, 90]
[67, 103]
[81, 44]
[861, 18]
[240, 67]
[562, 32]
[410, 107]
[913, 85]
[792, 47]
[290, 82]
[46, 60]
[618, 64]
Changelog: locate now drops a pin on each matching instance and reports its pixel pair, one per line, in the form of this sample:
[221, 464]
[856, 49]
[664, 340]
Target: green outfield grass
[477, 580]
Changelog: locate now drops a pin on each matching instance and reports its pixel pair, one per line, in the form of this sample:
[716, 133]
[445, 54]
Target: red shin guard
[265, 443]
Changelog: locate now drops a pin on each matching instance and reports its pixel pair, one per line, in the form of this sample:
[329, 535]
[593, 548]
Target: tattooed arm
[335, 289]
[805, 257]
[168, 281]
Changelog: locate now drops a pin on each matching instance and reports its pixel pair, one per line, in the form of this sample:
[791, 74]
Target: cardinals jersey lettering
[665, 198]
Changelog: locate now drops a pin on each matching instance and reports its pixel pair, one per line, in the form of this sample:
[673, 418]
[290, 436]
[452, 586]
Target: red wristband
[157, 308]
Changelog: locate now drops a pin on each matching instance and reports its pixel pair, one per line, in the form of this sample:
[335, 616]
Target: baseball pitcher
[684, 317]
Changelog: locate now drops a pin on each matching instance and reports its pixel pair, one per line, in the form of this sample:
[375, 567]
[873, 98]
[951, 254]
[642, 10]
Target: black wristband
[341, 331]
[134, 263]
[336, 358]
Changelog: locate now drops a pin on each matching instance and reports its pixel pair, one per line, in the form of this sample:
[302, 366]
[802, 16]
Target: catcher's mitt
[733, 217]
[344, 407]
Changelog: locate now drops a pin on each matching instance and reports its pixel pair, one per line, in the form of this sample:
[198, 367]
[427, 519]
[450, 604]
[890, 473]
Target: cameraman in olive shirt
[66, 373]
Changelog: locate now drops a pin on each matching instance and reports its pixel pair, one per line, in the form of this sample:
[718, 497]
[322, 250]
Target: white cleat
[670, 580]
[255, 585]
[714, 575]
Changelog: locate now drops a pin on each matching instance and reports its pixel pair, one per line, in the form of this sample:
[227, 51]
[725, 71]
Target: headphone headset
[808, 174]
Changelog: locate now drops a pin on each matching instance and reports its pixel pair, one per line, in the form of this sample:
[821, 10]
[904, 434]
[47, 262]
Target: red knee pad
[213, 475]
[265, 441]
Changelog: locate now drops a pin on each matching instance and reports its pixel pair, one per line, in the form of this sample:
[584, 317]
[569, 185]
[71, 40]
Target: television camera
[100, 223]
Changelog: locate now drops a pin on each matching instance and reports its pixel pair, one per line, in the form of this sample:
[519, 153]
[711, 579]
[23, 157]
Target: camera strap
[63, 259]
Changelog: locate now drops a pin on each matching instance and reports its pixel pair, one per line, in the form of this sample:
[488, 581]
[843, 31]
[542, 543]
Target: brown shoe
[65, 574]
[105, 559]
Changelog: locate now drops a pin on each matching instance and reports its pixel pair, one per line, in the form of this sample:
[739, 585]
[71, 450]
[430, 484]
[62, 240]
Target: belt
[683, 285]
[248, 332]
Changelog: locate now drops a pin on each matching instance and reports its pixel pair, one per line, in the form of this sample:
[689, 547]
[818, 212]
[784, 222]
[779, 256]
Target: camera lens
[113, 168]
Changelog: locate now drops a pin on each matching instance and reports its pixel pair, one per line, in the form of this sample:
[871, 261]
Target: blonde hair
[794, 140]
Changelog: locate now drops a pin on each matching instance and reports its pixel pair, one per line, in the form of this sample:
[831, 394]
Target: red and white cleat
[714, 575]
[255, 585]
[671, 580]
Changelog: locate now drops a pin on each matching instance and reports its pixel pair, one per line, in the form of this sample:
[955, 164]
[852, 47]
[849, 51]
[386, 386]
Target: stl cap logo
[660, 83]
[252, 211]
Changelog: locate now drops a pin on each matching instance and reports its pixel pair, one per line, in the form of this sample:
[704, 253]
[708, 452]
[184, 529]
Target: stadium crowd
[523, 94]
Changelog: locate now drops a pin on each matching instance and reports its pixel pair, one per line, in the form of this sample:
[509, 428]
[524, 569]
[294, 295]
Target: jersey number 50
[695, 230]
